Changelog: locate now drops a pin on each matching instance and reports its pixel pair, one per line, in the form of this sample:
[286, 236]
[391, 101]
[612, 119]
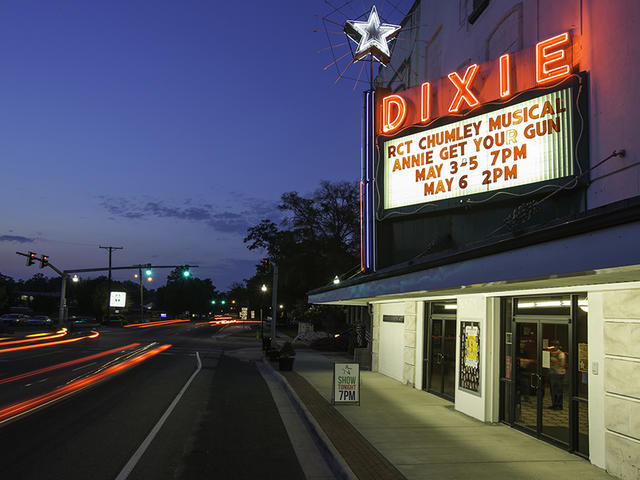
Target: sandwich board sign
[346, 384]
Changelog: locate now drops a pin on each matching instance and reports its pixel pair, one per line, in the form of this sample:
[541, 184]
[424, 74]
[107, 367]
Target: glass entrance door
[544, 371]
[440, 351]
[542, 394]
[527, 377]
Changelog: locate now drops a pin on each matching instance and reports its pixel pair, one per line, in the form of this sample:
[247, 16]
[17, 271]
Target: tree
[318, 239]
[7, 292]
[182, 294]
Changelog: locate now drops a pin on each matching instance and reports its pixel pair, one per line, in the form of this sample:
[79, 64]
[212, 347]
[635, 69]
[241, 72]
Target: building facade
[504, 232]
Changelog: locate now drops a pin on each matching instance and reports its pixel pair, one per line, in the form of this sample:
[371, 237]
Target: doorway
[439, 372]
[543, 380]
[542, 387]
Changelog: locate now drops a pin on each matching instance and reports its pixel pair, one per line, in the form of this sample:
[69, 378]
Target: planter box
[285, 364]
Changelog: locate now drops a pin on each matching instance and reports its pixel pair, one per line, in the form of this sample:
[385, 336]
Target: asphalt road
[225, 425]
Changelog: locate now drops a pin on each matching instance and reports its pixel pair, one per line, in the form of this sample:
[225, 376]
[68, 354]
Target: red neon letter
[388, 123]
[544, 58]
[425, 104]
[505, 75]
[463, 84]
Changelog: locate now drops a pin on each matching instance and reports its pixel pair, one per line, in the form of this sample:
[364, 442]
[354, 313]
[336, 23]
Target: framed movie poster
[469, 357]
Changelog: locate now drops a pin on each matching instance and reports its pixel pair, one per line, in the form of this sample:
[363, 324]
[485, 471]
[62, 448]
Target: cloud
[16, 238]
[247, 212]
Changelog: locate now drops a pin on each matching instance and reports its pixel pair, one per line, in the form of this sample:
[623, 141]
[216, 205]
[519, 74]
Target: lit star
[372, 37]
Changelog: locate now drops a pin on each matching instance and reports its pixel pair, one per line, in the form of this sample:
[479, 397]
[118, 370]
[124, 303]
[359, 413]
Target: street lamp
[263, 289]
[75, 279]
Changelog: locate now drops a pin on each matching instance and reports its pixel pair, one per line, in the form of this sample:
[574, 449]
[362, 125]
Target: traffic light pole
[64, 274]
[141, 300]
[62, 311]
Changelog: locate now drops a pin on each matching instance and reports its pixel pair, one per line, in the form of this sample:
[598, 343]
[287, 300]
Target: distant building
[502, 259]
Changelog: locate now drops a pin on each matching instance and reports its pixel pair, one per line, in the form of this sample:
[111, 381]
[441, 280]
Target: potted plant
[285, 361]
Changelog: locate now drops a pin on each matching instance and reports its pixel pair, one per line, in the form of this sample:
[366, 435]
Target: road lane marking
[133, 461]
[84, 366]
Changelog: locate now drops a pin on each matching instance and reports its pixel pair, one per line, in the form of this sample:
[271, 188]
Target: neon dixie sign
[527, 142]
[455, 92]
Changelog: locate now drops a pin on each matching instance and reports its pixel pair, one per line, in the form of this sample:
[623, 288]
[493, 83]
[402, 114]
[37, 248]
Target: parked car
[39, 320]
[14, 318]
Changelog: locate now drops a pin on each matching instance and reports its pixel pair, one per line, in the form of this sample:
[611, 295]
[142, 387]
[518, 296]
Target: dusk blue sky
[165, 127]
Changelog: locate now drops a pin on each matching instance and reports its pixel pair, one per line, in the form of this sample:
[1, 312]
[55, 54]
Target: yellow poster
[471, 350]
[583, 357]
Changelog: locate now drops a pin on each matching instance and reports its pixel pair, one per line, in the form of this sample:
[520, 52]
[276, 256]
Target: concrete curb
[334, 460]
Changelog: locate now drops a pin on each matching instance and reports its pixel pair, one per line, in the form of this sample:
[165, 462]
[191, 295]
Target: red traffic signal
[44, 261]
[265, 262]
[31, 257]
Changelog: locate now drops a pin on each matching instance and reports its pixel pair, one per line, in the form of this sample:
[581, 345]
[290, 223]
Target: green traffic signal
[148, 272]
[223, 302]
[213, 302]
[186, 273]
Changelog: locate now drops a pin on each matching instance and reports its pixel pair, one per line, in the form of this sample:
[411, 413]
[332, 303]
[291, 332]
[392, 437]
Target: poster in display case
[469, 357]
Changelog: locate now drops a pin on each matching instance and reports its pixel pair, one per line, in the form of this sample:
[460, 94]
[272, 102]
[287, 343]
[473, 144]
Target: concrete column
[621, 313]
[375, 339]
[409, 368]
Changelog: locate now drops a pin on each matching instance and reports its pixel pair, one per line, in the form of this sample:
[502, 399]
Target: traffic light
[44, 261]
[213, 302]
[186, 273]
[31, 259]
[148, 272]
[265, 262]
[223, 302]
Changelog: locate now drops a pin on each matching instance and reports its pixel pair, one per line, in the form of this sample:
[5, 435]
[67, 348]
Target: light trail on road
[154, 324]
[66, 364]
[58, 334]
[49, 344]
[21, 408]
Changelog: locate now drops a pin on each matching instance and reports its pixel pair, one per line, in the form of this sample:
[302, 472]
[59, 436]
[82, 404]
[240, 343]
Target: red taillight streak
[58, 335]
[228, 322]
[66, 364]
[153, 324]
[48, 344]
[64, 390]
[162, 324]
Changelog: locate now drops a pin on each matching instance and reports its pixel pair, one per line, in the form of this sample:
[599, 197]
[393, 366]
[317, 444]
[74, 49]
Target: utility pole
[109, 294]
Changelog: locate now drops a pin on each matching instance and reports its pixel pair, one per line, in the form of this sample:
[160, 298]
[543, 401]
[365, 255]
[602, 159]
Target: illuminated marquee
[552, 61]
[523, 143]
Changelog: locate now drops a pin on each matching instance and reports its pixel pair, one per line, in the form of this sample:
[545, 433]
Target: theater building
[501, 218]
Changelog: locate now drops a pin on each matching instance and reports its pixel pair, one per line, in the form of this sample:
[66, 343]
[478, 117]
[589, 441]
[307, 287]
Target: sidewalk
[401, 432]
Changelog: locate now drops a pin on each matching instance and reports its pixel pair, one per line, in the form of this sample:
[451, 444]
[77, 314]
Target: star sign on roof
[372, 37]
